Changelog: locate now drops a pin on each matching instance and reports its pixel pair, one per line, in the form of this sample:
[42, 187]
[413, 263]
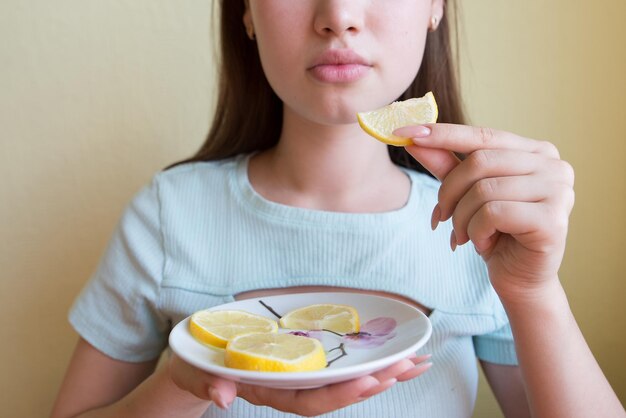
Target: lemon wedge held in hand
[216, 328]
[337, 318]
[268, 352]
[382, 122]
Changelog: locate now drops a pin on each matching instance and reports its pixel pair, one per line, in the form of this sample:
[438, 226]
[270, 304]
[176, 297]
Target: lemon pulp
[268, 352]
[334, 317]
[381, 123]
[216, 328]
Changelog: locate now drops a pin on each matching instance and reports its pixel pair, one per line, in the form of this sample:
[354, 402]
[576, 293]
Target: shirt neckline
[285, 213]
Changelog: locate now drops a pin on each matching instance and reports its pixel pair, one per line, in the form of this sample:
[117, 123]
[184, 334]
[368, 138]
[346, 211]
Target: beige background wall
[97, 96]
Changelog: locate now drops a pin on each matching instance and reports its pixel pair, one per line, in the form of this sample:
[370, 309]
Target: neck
[328, 167]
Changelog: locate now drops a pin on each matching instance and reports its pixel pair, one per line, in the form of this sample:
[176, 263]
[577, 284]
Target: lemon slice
[267, 352]
[338, 318]
[216, 328]
[382, 122]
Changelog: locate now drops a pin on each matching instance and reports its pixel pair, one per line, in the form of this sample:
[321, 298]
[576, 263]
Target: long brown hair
[244, 91]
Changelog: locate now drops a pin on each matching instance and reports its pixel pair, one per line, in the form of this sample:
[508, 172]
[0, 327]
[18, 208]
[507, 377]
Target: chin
[341, 107]
[342, 117]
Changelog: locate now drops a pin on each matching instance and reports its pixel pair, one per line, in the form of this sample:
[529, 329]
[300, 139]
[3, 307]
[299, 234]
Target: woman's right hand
[307, 402]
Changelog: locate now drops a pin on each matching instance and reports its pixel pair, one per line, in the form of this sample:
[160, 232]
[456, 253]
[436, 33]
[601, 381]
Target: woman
[288, 180]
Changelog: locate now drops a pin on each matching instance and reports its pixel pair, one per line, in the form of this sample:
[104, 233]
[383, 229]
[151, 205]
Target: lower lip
[339, 73]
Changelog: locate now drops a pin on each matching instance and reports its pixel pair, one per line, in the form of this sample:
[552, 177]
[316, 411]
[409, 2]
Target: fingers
[311, 402]
[499, 167]
[439, 162]
[388, 377]
[401, 371]
[481, 165]
[435, 150]
[381, 387]
[467, 139]
[222, 392]
[394, 370]
[518, 177]
[342, 394]
[421, 365]
[516, 188]
[534, 225]
[401, 368]
[201, 384]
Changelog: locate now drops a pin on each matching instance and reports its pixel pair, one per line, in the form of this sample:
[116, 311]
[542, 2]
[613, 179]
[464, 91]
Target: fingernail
[424, 366]
[420, 356]
[435, 217]
[371, 383]
[216, 397]
[453, 243]
[389, 382]
[413, 131]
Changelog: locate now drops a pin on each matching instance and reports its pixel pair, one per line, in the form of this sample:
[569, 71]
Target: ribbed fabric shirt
[199, 234]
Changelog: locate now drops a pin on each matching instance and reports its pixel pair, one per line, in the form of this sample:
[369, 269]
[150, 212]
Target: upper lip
[339, 57]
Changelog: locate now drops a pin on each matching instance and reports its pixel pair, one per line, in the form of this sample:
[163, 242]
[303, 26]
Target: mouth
[340, 57]
[339, 66]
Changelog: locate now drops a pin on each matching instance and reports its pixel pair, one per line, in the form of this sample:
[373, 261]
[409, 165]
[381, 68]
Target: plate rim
[299, 377]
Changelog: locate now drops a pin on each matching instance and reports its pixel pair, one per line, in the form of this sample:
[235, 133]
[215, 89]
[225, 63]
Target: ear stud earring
[434, 22]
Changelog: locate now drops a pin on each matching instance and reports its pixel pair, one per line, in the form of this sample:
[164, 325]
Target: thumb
[438, 162]
[222, 392]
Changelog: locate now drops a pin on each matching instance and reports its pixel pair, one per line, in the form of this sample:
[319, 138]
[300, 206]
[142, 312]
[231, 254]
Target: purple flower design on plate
[311, 334]
[373, 333]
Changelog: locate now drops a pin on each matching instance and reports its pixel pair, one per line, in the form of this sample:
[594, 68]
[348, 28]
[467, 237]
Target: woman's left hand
[318, 401]
[510, 196]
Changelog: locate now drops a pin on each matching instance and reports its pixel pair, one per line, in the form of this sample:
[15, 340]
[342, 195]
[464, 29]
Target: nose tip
[338, 31]
[338, 18]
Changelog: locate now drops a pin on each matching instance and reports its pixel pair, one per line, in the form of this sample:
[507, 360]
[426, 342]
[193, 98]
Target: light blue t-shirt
[199, 234]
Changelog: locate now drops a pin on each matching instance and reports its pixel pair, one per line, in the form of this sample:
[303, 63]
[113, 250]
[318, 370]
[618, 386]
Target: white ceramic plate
[390, 331]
